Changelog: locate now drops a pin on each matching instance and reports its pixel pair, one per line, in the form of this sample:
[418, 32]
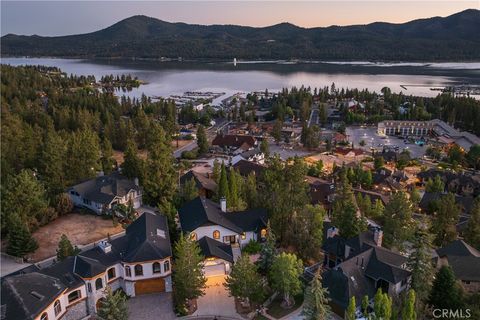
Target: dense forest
[434, 39]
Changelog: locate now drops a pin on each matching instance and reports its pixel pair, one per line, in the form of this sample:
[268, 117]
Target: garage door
[214, 270]
[149, 286]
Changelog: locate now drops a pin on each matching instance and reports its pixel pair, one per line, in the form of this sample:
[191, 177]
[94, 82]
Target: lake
[169, 78]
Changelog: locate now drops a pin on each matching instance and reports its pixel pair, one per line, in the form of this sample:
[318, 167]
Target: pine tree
[365, 303]
[352, 307]
[264, 147]
[52, 163]
[306, 231]
[420, 264]
[316, 305]
[244, 282]
[107, 160]
[65, 248]
[202, 140]
[285, 276]
[114, 306]
[382, 305]
[446, 293]
[408, 310]
[189, 190]
[188, 278]
[251, 191]
[83, 156]
[216, 171]
[398, 220]
[445, 220]
[64, 204]
[435, 185]
[268, 251]
[222, 188]
[472, 233]
[19, 239]
[132, 164]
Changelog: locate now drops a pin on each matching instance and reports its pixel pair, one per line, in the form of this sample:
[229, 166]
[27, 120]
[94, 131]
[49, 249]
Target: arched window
[166, 266]
[98, 284]
[156, 267]
[193, 236]
[44, 316]
[263, 233]
[216, 234]
[128, 271]
[111, 273]
[75, 295]
[57, 307]
[138, 270]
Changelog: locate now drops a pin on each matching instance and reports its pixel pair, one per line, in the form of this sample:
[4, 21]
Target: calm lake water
[168, 78]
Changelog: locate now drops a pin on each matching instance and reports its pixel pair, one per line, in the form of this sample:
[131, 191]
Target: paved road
[9, 265]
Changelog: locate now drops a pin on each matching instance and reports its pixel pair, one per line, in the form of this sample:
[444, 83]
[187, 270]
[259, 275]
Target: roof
[245, 167]
[201, 211]
[251, 153]
[26, 295]
[104, 189]
[215, 249]
[373, 195]
[87, 267]
[232, 140]
[387, 265]
[466, 203]
[201, 181]
[463, 258]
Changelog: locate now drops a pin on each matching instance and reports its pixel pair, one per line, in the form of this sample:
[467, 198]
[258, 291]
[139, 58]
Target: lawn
[277, 311]
[81, 229]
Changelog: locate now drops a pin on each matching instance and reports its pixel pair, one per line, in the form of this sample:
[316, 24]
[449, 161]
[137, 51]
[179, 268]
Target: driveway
[216, 301]
[151, 306]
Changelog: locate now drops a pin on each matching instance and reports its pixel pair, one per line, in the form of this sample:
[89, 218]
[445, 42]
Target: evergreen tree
[216, 171]
[251, 191]
[365, 303]
[408, 310]
[446, 293]
[415, 196]
[65, 248]
[268, 251]
[445, 220]
[234, 201]
[52, 163]
[202, 140]
[435, 185]
[160, 180]
[132, 164]
[352, 307]
[64, 204]
[382, 305]
[316, 305]
[378, 163]
[264, 147]
[107, 160]
[472, 233]
[285, 276]
[222, 188]
[277, 131]
[189, 190]
[398, 220]
[83, 156]
[420, 264]
[244, 282]
[113, 306]
[306, 231]
[19, 239]
[188, 278]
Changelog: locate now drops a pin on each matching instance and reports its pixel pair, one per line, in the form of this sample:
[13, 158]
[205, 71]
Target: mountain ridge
[139, 36]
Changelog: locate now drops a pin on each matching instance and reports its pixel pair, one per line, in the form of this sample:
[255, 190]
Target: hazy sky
[72, 17]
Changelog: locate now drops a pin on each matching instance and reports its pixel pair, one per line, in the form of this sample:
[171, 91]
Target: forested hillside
[450, 38]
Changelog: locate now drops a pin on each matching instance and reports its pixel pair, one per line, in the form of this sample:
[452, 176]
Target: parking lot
[372, 139]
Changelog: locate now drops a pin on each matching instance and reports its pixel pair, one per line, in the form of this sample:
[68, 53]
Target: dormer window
[216, 234]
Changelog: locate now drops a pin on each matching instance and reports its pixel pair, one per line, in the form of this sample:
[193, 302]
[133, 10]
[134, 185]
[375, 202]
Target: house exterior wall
[129, 282]
[471, 286]
[207, 231]
[77, 307]
[79, 201]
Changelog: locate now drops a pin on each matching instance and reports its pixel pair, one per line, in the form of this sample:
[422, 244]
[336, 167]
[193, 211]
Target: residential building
[137, 263]
[102, 193]
[206, 186]
[234, 143]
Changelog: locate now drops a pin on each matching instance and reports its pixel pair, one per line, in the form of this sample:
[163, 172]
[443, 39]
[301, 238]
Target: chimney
[332, 232]
[223, 204]
[378, 236]
[136, 182]
[105, 246]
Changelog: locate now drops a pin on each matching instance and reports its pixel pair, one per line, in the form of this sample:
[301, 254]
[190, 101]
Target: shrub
[252, 247]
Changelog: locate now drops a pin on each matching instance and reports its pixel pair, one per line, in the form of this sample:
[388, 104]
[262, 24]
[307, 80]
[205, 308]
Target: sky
[52, 18]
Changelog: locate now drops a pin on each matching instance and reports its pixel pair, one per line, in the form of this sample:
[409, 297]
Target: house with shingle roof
[206, 186]
[102, 193]
[220, 232]
[138, 262]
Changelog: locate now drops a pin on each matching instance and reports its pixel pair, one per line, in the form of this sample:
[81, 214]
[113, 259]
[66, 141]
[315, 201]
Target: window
[138, 270]
[89, 287]
[128, 272]
[216, 234]
[87, 202]
[111, 273]
[156, 267]
[57, 307]
[166, 266]
[193, 236]
[44, 316]
[98, 284]
[244, 236]
[75, 295]
[263, 233]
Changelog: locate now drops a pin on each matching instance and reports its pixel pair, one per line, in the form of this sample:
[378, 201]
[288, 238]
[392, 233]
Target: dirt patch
[81, 229]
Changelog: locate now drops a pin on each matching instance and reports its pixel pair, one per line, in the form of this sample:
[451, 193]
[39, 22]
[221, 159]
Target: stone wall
[77, 311]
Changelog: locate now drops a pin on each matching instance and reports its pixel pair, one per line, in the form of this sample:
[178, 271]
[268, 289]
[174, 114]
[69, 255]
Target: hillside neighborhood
[306, 203]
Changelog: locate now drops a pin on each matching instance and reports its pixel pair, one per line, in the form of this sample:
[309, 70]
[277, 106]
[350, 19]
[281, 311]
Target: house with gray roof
[104, 192]
[137, 263]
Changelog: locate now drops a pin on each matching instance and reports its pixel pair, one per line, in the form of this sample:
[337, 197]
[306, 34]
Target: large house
[464, 261]
[137, 263]
[360, 266]
[220, 233]
[234, 142]
[102, 193]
